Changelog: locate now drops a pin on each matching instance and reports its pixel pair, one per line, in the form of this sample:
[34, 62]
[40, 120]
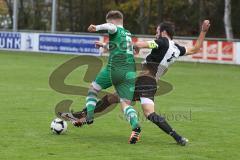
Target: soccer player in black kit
[164, 52]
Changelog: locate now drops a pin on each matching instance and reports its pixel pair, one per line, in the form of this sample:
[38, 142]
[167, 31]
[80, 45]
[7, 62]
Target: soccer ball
[58, 126]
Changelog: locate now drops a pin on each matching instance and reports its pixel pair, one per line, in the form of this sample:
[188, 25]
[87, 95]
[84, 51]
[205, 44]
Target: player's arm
[146, 44]
[99, 44]
[111, 28]
[198, 44]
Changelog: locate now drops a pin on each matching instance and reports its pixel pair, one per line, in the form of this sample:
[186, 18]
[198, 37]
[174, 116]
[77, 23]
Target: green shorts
[122, 78]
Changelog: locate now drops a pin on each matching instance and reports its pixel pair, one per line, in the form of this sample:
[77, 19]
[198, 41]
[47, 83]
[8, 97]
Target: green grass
[209, 92]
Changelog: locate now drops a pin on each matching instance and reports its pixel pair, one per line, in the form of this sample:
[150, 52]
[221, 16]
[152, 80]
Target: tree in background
[201, 11]
[141, 16]
[5, 20]
[160, 11]
[7, 4]
[227, 20]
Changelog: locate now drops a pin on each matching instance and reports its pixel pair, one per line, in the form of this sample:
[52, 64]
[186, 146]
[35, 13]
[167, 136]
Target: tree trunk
[71, 15]
[23, 16]
[227, 20]
[141, 18]
[117, 2]
[83, 14]
[37, 15]
[148, 16]
[160, 11]
[10, 11]
[99, 12]
[201, 11]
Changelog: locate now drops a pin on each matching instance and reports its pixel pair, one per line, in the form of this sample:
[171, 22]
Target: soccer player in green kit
[119, 72]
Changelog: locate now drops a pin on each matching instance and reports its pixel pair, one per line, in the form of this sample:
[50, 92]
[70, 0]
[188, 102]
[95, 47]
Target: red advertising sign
[227, 51]
[212, 50]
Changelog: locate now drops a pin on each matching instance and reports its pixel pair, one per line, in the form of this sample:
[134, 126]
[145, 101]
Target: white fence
[212, 51]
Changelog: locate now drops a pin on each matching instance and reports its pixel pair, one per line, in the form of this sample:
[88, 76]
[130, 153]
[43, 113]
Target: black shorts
[145, 86]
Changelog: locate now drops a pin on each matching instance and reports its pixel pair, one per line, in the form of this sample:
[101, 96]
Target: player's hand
[136, 50]
[92, 28]
[205, 25]
[99, 44]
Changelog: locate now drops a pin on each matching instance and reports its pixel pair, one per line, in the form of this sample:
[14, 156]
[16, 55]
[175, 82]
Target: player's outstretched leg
[162, 123]
[148, 109]
[101, 106]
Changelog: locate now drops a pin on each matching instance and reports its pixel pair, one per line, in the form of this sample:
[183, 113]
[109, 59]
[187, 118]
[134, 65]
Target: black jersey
[161, 57]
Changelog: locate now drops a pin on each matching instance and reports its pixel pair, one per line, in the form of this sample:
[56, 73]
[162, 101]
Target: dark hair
[114, 14]
[168, 27]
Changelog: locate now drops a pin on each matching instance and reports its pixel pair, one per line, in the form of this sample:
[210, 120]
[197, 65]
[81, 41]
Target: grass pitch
[204, 106]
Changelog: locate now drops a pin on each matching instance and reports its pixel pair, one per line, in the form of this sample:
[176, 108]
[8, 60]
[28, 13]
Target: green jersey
[120, 42]
[120, 70]
[120, 48]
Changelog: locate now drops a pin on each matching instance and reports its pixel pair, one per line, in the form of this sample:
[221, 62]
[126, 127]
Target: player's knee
[146, 101]
[145, 113]
[147, 106]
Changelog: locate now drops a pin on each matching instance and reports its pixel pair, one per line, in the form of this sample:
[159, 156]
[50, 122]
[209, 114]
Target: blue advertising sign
[68, 44]
[10, 40]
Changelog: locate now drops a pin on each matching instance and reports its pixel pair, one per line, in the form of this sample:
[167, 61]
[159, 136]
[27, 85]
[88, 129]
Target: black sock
[102, 104]
[162, 123]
